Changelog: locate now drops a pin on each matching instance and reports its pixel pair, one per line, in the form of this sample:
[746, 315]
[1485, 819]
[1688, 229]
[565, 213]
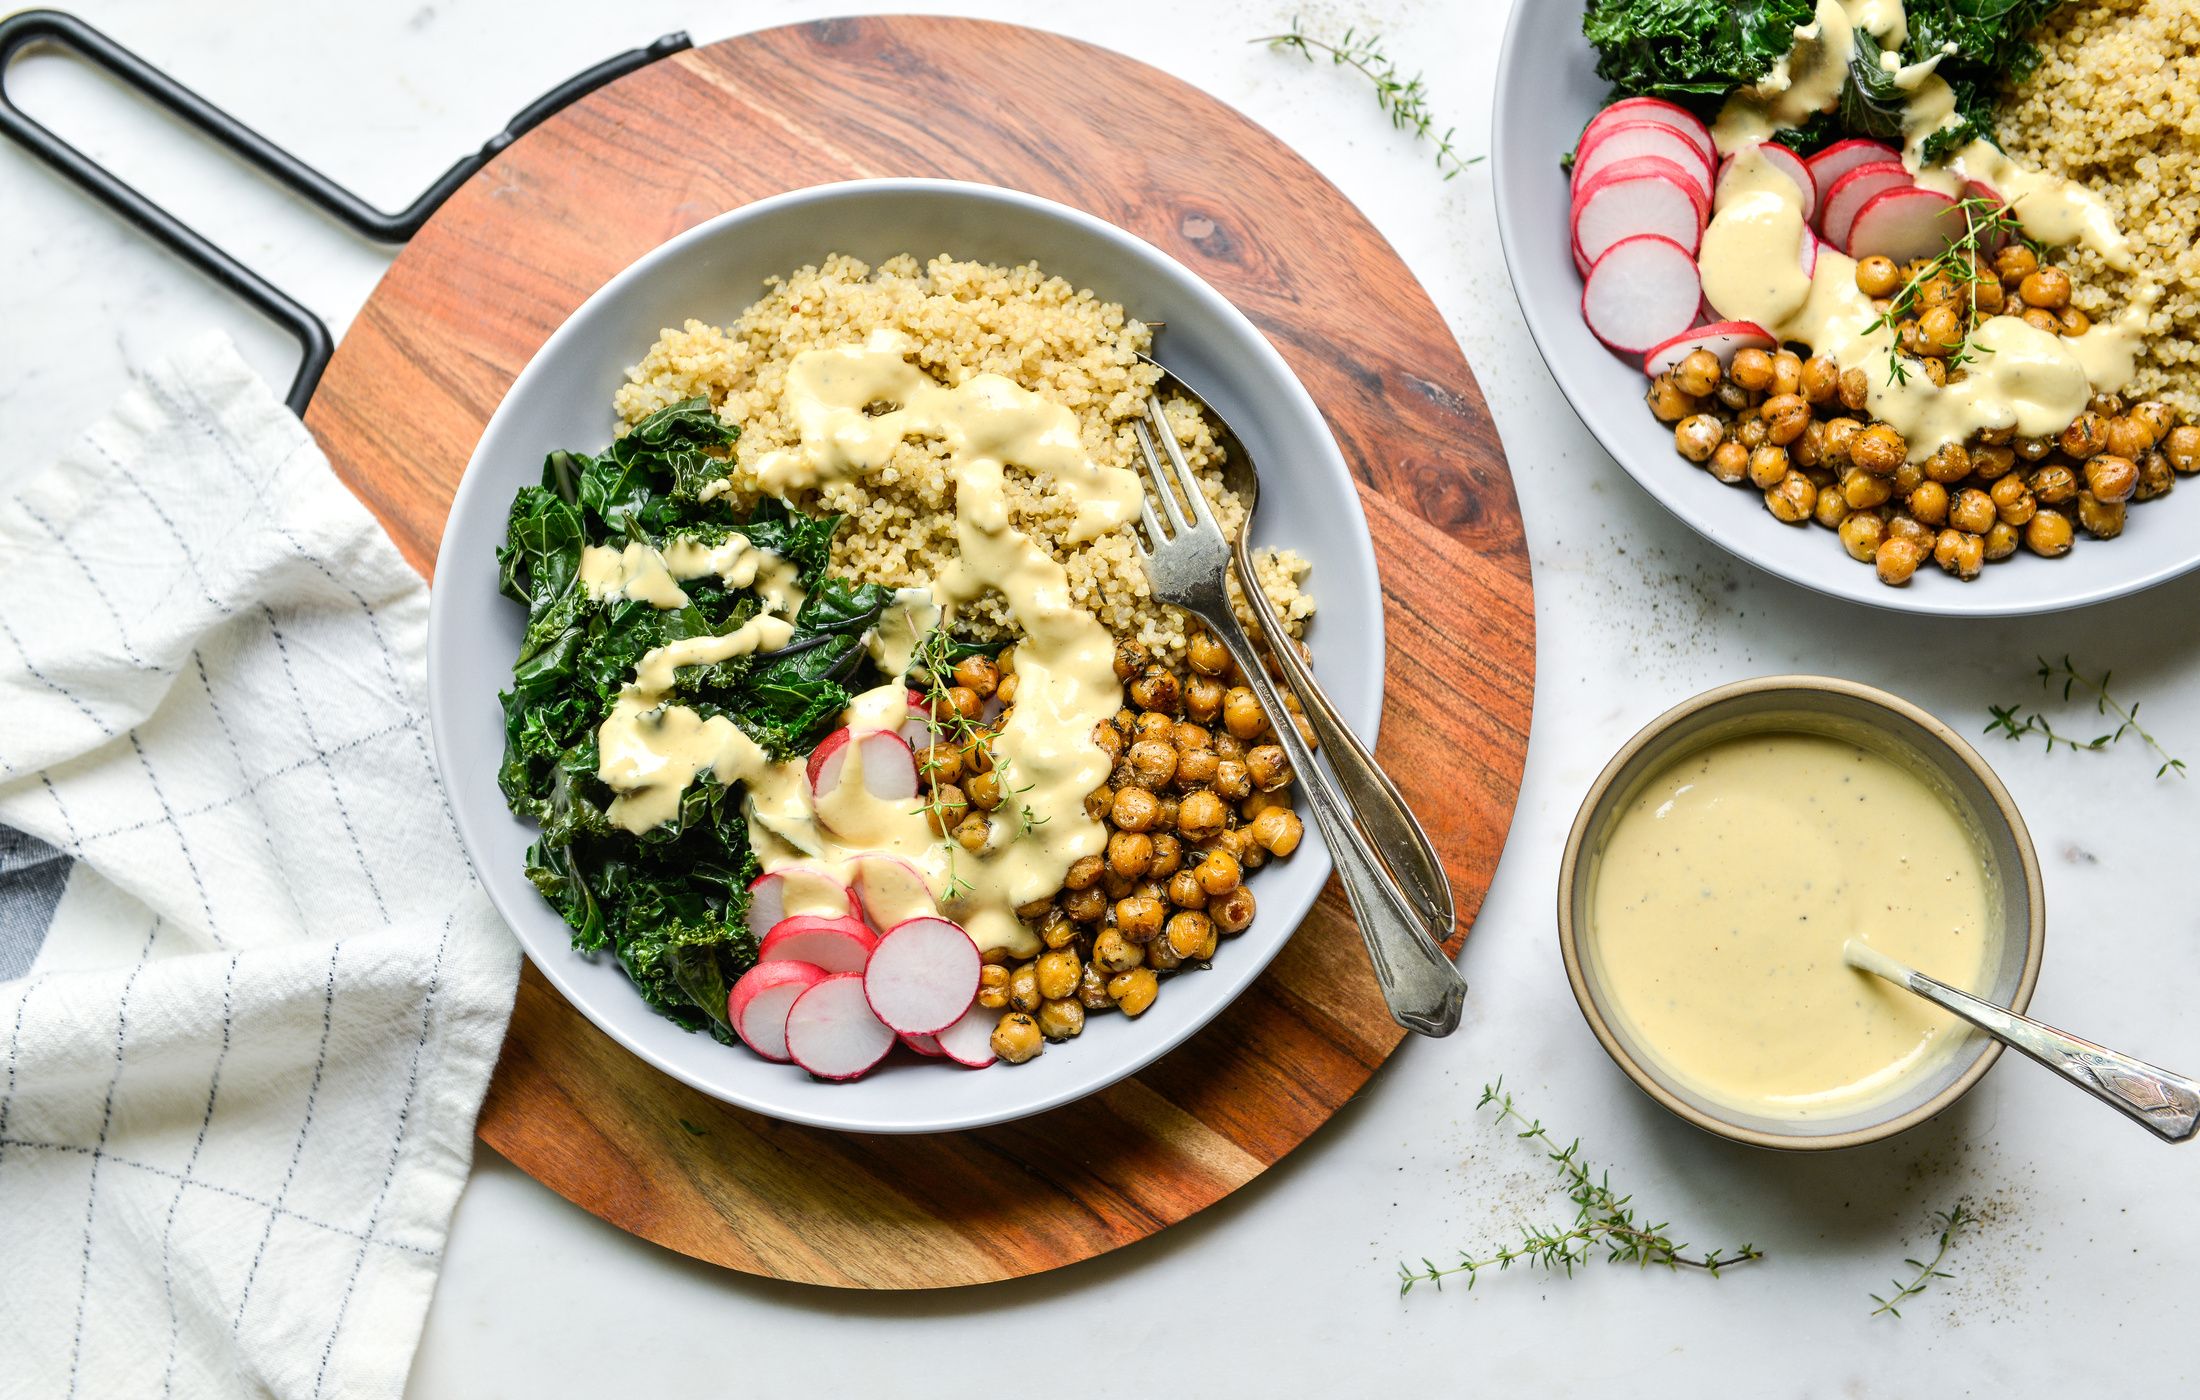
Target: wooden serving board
[519, 247]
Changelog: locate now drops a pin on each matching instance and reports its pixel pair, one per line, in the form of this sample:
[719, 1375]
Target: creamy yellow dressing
[651, 576]
[2023, 378]
[853, 406]
[1722, 897]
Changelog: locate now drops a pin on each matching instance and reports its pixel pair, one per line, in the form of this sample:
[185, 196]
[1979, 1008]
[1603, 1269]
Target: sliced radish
[922, 976]
[794, 890]
[1979, 189]
[1645, 195]
[832, 1033]
[1721, 338]
[836, 945]
[890, 890]
[760, 1001]
[1642, 292]
[1829, 165]
[969, 1041]
[1806, 252]
[925, 1045]
[1655, 109]
[1853, 191]
[916, 731]
[1787, 163]
[1906, 224]
[1632, 140]
[889, 765]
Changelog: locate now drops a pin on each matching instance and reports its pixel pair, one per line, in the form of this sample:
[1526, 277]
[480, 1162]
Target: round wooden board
[521, 245]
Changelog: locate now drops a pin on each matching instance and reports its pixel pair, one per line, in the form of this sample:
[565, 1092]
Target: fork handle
[1392, 829]
[1424, 992]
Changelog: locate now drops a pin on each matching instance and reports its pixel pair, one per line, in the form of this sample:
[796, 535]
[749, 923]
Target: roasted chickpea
[1063, 1019]
[2129, 436]
[1697, 374]
[1188, 736]
[940, 763]
[1234, 911]
[1203, 698]
[1697, 437]
[979, 675]
[1133, 991]
[2033, 449]
[1130, 852]
[1242, 715]
[1787, 373]
[1729, 462]
[1092, 990]
[1821, 379]
[2155, 477]
[1877, 276]
[2182, 446]
[2086, 436]
[1785, 416]
[1138, 918]
[984, 791]
[2047, 288]
[1863, 491]
[1228, 745]
[1973, 511]
[1939, 331]
[1831, 508]
[1131, 658]
[1196, 769]
[2048, 533]
[1897, 559]
[1936, 370]
[1219, 873]
[2014, 263]
[1767, 465]
[1856, 389]
[946, 809]
[1168, 850]
[1988, 298]
[1154, 727]
[1732, 396]
[1153, 762]
[1927, 503]
[1016, 1039]
[1861, 535]
[2001, 541]
[1108, 739]
[1751, 369]
[1023, 987]
[973, 833]
[1084, 873]
[2111, 479]
[1085, 906]
[1840, 435]
[2104, 520]
[1949, 464]
[1993, 461]
[2156, 415]
[1111, 952]
[1099, 801]
[1269, 767]
[1233, 781]
[1056, 973]
[1185, 891]
[1278, 830]
[1792, 501]
[1156, 690]
[2039, 318]
[1201, 816]
[2071, 321]
[1135, 810]
[2054, 484]
[992, 986]
[1207, 654]
[1960, 553]
[1191, 935]
[1879, 450]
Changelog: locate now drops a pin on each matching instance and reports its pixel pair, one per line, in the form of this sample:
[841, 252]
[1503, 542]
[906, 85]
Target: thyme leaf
[1404, 100]
[1952, 1223]
[2011, 722]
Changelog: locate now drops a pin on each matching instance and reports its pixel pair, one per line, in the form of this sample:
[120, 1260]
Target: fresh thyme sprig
[959, 731]
[1952, 1223]
[2009, 721]
[1985, 222]
[1603, 1220]
[1405, 100]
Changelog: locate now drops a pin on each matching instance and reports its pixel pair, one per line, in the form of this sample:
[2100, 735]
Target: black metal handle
[20, 31]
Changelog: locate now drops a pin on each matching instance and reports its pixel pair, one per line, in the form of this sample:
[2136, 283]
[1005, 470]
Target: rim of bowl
[1511, 71]
[1265, 357]
[2005, 807]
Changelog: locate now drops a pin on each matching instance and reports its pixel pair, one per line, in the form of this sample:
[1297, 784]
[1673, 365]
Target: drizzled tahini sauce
[654, 576]
[649, 750]
[1752, 256]
[1722, 897]
[853, 406]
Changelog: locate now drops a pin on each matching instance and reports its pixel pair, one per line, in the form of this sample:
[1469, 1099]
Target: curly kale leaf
[806, 540]
[1690, 51]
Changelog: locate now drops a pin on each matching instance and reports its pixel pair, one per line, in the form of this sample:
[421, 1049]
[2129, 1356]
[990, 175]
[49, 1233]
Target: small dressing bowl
[1878, 722]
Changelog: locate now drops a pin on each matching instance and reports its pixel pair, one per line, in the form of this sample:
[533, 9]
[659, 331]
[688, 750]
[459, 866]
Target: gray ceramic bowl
[563, 400]
[1547, 89]
[1868, 717]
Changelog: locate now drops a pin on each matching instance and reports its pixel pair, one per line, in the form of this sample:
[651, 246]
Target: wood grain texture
[518, 249]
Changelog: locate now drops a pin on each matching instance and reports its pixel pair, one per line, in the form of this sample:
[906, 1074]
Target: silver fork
[1189, 565]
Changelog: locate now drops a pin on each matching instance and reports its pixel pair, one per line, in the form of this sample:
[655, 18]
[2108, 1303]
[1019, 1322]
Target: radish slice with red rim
[1721, 338]
[922, 976]
[1644, 195]
[836, 945]
[760, 1001]
[890, 890]
[925, 1045]
[969, 1042]
[1624, 141]
[832, 1033]
[795, 890]
[1906, 224]
[1838, 159]
[1642, 292]
[1852, 192]
[1656, 109]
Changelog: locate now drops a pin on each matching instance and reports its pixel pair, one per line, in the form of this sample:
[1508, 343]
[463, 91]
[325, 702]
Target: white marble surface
[2080, 1273]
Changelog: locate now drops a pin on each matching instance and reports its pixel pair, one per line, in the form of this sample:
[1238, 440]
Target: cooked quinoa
[966, 318]
[2115, 105]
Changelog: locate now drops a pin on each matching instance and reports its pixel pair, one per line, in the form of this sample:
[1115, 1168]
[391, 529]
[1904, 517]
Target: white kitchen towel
[238, 1085]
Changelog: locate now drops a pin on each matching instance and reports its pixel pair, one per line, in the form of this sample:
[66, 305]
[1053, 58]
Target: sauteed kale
[670, 904]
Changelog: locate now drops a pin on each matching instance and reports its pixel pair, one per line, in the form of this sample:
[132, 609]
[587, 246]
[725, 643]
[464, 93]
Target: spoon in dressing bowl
[2165, 1104]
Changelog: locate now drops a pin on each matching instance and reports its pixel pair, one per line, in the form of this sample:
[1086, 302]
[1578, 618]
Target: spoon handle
[1423, 990]
[1391, 827]
[2165, 1104]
